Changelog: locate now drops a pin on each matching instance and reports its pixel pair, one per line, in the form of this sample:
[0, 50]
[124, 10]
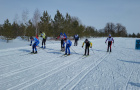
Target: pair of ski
[83, 57]
[64, 55]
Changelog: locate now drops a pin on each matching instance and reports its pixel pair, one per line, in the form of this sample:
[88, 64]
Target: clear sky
[94, 13]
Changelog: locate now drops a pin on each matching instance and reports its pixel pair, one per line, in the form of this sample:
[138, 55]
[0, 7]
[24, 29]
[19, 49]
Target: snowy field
[49, 70]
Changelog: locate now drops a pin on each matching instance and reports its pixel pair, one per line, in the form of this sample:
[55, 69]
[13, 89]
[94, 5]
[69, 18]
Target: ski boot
[32, 52]
[35, 52]
[65, 54]
[44, 47]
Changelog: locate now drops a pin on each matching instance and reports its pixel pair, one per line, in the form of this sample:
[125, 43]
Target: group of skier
[66, 43]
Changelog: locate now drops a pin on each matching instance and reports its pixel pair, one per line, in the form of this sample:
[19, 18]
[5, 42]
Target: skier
[88, 44]
[68, 44]
[31, 40]
[110, 40]
[76, 37]
[42, 34]
[35, 45]
[62, 37]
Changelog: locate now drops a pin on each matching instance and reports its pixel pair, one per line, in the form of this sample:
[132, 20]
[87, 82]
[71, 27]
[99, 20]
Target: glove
[105, 42]
[82, 46]
[90, 47]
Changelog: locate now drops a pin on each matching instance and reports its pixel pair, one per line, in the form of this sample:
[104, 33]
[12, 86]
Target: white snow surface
[49, 70]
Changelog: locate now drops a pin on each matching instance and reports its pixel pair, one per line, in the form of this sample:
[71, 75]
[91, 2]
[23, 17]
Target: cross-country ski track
[49, 70]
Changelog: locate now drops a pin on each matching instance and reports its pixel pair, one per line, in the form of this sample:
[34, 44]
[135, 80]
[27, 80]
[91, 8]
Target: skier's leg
[88, 51]
[61, 45]
[85, 51]
[33, 47]
[76, 42]
[42, 43]
[69, 50]
[66, 50]
[108, 47]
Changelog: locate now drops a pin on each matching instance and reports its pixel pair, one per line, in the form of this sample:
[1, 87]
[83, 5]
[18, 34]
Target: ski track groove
[83, 73]
[23, 54]
[14, 62]
[11, 51]
[24, 69]
[128, 79]
[43, 76]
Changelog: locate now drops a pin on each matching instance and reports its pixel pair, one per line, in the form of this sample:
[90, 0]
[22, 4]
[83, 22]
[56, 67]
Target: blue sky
[94, 13]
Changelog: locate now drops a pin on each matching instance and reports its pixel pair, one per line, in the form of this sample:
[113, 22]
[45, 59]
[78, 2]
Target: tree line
[60, 23]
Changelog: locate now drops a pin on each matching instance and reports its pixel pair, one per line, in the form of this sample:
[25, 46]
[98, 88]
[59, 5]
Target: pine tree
[45, 23]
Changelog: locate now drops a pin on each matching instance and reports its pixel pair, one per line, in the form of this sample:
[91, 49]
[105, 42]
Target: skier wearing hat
[62, 37]
[87, 45]
[42, 34]
[110, 40]
[34, 45]
[68, 44]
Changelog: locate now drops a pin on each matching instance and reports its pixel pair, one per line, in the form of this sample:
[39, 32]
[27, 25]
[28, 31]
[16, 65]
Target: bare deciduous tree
[25, 19]
[36, 19]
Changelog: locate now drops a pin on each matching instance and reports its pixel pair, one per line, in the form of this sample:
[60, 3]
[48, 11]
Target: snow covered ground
[49, 70]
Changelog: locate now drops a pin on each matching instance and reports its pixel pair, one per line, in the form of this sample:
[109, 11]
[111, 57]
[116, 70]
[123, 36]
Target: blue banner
[137, 46]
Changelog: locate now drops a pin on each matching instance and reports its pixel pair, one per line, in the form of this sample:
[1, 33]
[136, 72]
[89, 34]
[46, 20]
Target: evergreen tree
[58, 23]
[45, 23]
[8, 32]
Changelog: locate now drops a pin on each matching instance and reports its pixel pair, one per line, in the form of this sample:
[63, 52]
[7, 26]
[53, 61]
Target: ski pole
[113, 44]
[73, 50]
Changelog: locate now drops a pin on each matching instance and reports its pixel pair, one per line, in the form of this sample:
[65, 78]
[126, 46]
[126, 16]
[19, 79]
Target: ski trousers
[43, 41]
[67, 48]
[34, 47]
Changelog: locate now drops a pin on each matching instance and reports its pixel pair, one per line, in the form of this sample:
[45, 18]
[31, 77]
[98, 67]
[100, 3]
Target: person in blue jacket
[68, 44]
[35, 45]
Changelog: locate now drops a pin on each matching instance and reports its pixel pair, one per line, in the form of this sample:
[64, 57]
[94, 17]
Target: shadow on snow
[135, 84]
[129, 61]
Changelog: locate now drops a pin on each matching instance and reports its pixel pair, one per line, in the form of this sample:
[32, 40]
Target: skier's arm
[106, 40]
[83, 44]
[90, 45]
[113, 40]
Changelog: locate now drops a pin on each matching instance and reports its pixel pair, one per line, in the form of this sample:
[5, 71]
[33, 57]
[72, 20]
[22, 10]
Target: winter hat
[109, 35]
[86, 40]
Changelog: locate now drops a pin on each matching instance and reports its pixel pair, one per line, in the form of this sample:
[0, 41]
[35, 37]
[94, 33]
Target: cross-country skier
[110, 40]
[68, 44]
[31, 38]
[76, 37]
[42, 34]
[88, 44]
[62, 37]
[35, 45]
